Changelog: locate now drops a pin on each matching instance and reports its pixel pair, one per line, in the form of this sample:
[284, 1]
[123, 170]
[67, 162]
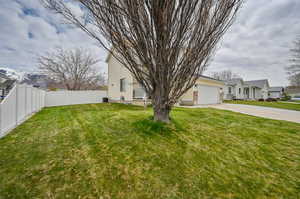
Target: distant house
[3, 77]
[276, 92]
[5, 85]
[246, 90]
[293, 91]
[123, 87]
[36, 80]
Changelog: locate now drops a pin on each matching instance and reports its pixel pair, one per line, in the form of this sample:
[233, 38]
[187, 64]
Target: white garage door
[274, 95]
[208, 94]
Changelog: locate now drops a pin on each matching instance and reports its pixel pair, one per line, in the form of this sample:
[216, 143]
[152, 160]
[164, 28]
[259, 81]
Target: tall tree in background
[225, 75]
[294, 69]
[72, 68]
[165, 44]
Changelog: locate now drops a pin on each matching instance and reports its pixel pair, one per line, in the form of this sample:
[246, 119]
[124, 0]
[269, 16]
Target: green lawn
[282, 105]
[298, 101]
[117, 151]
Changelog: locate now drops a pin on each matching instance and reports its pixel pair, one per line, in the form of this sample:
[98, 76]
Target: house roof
[276, 89]
[2, 75]
[201, 76]
[210, 78]
[234, 81]
[257, 83]
[8, 83]
[108, 57]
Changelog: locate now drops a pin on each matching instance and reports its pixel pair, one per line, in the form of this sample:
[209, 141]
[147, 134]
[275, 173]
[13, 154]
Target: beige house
[122, 87]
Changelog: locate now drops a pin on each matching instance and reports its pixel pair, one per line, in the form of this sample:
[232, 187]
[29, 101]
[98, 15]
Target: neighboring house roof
[7, 84]
[36, 80]
[257, 83]
[276, 89]
[234, 81]
[3, 76]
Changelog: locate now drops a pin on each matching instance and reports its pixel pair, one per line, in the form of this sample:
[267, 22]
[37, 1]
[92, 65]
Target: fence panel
[19, 104]
[43, 94]
[28, 100]
[33, 99]
[61, 98]
[24, 100]
[8, 112]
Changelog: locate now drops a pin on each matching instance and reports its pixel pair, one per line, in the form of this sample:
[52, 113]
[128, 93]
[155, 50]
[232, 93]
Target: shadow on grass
[149, 127]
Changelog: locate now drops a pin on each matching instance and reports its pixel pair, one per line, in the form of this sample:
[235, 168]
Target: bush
[286, 97]
[271, 100]
[53, 89]
[261, 100]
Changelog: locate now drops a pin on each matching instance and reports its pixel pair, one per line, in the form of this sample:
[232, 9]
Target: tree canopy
[165, 44]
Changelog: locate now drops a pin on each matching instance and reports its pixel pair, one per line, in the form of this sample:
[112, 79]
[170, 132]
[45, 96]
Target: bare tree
[71, 68]
[225, 75]
[165, 44]
[294, 69]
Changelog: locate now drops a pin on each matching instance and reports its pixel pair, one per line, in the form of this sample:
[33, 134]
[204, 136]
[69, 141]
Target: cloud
[256, 46]
[29, 30]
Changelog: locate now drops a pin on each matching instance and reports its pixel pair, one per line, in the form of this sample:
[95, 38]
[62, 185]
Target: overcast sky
[256, 46]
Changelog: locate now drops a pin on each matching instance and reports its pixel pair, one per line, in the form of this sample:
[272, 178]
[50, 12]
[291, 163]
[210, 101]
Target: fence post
[0, 120]
[25, 101]
[32, 108]
[16, 104]
[39, 100]
[39, 97]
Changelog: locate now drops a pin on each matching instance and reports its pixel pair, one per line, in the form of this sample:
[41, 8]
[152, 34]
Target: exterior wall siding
[115, 73]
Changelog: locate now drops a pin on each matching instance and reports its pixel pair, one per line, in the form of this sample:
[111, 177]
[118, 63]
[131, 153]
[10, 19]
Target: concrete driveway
[259, 111]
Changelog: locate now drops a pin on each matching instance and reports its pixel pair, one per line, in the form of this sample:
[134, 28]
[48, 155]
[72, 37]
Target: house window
[139, 93]
[239, 90]
[122, 85]
[229, 90]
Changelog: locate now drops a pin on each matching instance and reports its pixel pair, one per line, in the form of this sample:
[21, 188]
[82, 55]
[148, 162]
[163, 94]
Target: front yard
[117, 151]
[282, 105]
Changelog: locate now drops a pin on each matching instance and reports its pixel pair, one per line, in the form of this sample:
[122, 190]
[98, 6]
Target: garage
[208, 94]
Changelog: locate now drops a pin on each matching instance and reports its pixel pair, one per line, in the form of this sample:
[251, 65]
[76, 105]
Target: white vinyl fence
[62, 98]
[23, 100]
[18, 105]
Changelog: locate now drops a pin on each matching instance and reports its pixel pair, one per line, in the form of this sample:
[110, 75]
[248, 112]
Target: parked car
[296, 97]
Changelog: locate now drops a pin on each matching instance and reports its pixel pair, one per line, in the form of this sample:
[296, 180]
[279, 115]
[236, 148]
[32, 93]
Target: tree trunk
[161, 109]
[162, 115]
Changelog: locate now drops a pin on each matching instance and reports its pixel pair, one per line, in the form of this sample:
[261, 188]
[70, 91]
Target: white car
[296, 97]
